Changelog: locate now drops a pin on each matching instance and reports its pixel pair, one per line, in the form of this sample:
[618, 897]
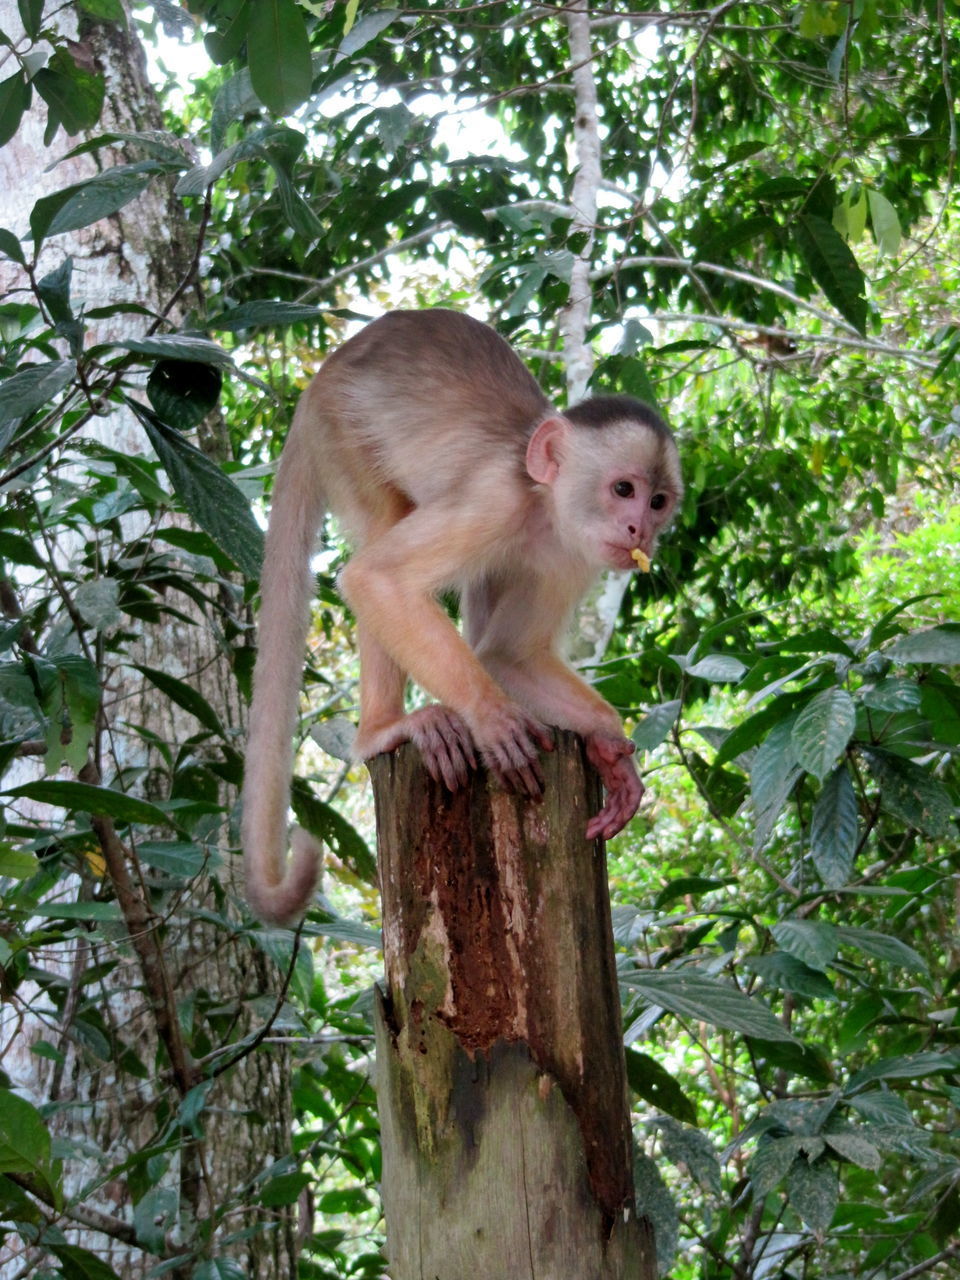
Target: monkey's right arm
[391, 584]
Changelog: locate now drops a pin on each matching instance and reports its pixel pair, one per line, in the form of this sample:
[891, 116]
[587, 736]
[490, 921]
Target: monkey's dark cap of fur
[600, 411]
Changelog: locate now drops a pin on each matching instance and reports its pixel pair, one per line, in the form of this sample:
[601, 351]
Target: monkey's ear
[545, 450]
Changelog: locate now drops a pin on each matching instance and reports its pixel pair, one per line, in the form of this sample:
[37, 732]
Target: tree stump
[500, 1075]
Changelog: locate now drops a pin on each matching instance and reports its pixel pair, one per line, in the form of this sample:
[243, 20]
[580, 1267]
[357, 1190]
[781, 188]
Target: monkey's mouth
[620, 557]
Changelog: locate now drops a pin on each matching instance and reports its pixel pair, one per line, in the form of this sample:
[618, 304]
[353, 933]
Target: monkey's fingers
[444, 743]
[512, 753]
[613, 759]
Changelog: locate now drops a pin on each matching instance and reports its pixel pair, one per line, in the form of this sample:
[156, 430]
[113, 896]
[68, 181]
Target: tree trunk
[500, 1072]
[143, 254]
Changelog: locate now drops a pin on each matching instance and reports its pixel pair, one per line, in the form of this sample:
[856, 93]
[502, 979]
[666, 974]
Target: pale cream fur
[451, 471]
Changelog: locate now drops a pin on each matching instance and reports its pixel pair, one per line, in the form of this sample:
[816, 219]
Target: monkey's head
[612, 471]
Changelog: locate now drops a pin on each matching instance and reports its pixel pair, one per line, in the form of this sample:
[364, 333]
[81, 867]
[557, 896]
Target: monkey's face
[615, 491]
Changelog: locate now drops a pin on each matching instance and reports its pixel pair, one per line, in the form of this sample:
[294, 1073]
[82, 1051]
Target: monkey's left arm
[546, 686]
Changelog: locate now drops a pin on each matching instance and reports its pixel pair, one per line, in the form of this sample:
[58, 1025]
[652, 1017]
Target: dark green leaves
[209, 496]
[833, 829]
[84, 203]
[14, 100]
[833, 266]
[83, 797]
[183, 392]
[74, 95]
[704, 999]
[278, 49]
[822, 730]
[32, 386]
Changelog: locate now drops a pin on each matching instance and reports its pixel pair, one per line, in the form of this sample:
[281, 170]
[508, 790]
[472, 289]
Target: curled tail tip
[282, 902]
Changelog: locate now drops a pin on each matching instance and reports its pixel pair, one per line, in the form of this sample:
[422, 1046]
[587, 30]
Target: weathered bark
[141, 254]
[500, 1074]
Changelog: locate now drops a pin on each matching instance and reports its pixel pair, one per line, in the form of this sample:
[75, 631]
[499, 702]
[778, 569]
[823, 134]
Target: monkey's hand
[613, 760]
[439, 734]
[509, 740]
[444, 742]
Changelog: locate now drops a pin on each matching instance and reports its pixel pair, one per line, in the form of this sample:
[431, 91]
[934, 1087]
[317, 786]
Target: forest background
[743, 214]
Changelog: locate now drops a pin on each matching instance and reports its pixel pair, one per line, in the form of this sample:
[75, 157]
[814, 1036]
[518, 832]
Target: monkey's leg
[438, 733]
[391, 584]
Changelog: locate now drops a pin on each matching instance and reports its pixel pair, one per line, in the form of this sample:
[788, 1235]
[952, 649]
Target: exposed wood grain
[506, 1138]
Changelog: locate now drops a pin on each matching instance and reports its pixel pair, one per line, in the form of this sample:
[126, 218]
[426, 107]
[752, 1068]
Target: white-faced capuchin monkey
[450, 470]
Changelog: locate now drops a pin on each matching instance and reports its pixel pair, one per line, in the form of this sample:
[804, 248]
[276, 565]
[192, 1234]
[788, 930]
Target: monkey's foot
[440, 736]
[613, 760]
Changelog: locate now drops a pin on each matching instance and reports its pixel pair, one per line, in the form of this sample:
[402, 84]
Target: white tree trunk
[142, 255]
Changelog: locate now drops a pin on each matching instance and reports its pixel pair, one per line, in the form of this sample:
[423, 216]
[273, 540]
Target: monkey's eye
[658, 502]
[623, 489]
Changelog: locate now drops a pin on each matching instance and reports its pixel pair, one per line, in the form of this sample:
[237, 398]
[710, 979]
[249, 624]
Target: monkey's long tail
[279, 888]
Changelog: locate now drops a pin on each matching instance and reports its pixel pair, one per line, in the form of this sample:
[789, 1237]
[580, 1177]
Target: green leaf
[342, 930]
[822, 730]
[784, 972]
[855, 1148]
[350, 15]
[655, 1203]
[73, 94]
[658, 1086]
[881, 946]
[184, 695]
[106, 10]
[31, 14]
[84, 798]
[183, 392]
[14, 100]
[178, 858]
[773, 775]
[465, 214]
[771, 1162]
[10, 245]
[940, 645]
[98, 912]
[886, 224]
[358, 35]
[209, 496]
[285, 1189]
[264, 313]
[692, 1150]
[892, 694]
[24, 1140]
[32, 386]
[814, 1191]
[327, 825]
[79, 1264]
[912, 794]
[96, 601]
[724, 789]
[911, 1066]
[278, 55]
[17, 864]
[833, 266]
[704, 999]
[182, 347]
[85, 203]
[656, 725]
[813, 941]
[718, 668]
[71, 700]
[154, 1215]
[834, 830]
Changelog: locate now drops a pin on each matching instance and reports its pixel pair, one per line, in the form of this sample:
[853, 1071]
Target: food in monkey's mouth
[641, 558]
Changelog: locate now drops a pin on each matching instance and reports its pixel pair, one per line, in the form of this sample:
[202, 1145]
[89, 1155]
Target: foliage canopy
[773, 262]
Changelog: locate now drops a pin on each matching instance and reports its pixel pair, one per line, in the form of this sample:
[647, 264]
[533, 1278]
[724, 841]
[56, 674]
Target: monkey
[450, 470]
